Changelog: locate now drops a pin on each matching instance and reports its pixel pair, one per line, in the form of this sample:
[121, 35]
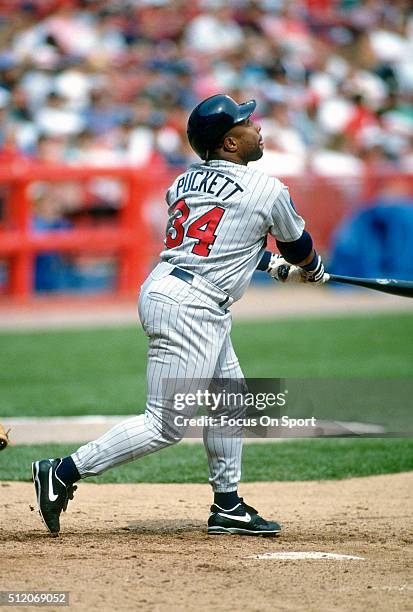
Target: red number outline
[177, 225]
[207, 236]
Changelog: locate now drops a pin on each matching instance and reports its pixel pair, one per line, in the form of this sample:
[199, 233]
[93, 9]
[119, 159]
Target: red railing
[136, 236]
[130, 239]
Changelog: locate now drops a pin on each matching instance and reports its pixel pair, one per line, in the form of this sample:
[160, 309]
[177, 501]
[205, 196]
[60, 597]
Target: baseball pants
[189, 340]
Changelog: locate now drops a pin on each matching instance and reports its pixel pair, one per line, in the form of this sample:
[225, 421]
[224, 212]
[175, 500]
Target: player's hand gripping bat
[386, 285]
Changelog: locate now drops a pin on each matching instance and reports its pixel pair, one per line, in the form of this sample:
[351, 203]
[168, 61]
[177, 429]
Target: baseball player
[220, 212]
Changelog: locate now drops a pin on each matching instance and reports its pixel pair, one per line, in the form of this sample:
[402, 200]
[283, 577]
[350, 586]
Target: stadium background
[110, 84]
[94, 98]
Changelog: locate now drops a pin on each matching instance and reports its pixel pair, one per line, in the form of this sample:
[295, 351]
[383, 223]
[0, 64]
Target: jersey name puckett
[213, 183]
[219, 216]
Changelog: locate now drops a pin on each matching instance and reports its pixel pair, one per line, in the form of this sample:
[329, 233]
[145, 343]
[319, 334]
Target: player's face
[249, 142]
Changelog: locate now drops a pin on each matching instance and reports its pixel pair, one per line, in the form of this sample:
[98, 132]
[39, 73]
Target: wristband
[310, 267]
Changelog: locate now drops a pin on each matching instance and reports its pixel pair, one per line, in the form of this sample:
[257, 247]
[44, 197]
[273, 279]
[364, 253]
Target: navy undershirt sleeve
[293, 252]
[297, 250]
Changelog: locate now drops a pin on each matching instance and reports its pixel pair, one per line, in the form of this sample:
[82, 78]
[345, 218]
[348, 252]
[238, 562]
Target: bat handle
[327, 277]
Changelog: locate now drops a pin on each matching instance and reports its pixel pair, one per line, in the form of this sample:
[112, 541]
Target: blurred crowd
[112, 82]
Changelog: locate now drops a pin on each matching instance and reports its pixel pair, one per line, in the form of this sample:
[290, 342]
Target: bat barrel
[385, 285]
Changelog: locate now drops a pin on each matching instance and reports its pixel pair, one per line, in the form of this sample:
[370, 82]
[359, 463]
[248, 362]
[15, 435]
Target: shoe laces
[246, 507]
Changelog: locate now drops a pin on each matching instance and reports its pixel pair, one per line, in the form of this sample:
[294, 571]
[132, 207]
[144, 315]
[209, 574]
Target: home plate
[303, 555]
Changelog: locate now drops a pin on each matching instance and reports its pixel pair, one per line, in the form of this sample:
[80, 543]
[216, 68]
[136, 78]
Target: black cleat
[52, 493]
[243, 520]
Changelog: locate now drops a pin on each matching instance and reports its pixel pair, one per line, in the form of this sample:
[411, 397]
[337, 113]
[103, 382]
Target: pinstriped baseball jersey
[219, 216]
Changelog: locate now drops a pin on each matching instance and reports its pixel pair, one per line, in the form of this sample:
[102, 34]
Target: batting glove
[280, 270]
[316, 273]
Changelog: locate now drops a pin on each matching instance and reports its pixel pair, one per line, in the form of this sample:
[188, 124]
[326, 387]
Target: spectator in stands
[52, 270]
[330, 77]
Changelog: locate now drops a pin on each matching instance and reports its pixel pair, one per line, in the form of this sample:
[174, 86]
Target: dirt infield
[144, 547]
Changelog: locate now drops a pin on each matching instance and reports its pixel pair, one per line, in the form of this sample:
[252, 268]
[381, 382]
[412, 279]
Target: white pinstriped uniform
[188, 322]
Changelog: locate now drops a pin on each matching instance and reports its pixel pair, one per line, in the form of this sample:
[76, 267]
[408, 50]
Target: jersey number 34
[202, 229]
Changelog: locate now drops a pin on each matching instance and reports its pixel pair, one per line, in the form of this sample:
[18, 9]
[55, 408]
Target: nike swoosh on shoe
[52, 495]
[246, 518]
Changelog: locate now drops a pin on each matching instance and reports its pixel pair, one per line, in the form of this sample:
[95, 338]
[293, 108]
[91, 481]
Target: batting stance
[220, 212]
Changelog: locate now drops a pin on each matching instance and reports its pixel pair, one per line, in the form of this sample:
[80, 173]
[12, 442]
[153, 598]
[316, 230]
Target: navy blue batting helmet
[211, 120]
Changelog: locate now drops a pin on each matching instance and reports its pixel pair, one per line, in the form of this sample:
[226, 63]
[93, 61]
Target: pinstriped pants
[189, 339]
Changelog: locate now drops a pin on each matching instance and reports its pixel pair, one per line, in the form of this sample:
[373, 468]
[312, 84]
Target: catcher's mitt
[4, 437]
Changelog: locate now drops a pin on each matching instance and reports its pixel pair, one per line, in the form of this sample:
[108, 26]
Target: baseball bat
[386, 285]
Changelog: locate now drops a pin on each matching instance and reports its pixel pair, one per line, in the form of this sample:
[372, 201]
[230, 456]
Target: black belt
[187, 277]
[183, 275]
